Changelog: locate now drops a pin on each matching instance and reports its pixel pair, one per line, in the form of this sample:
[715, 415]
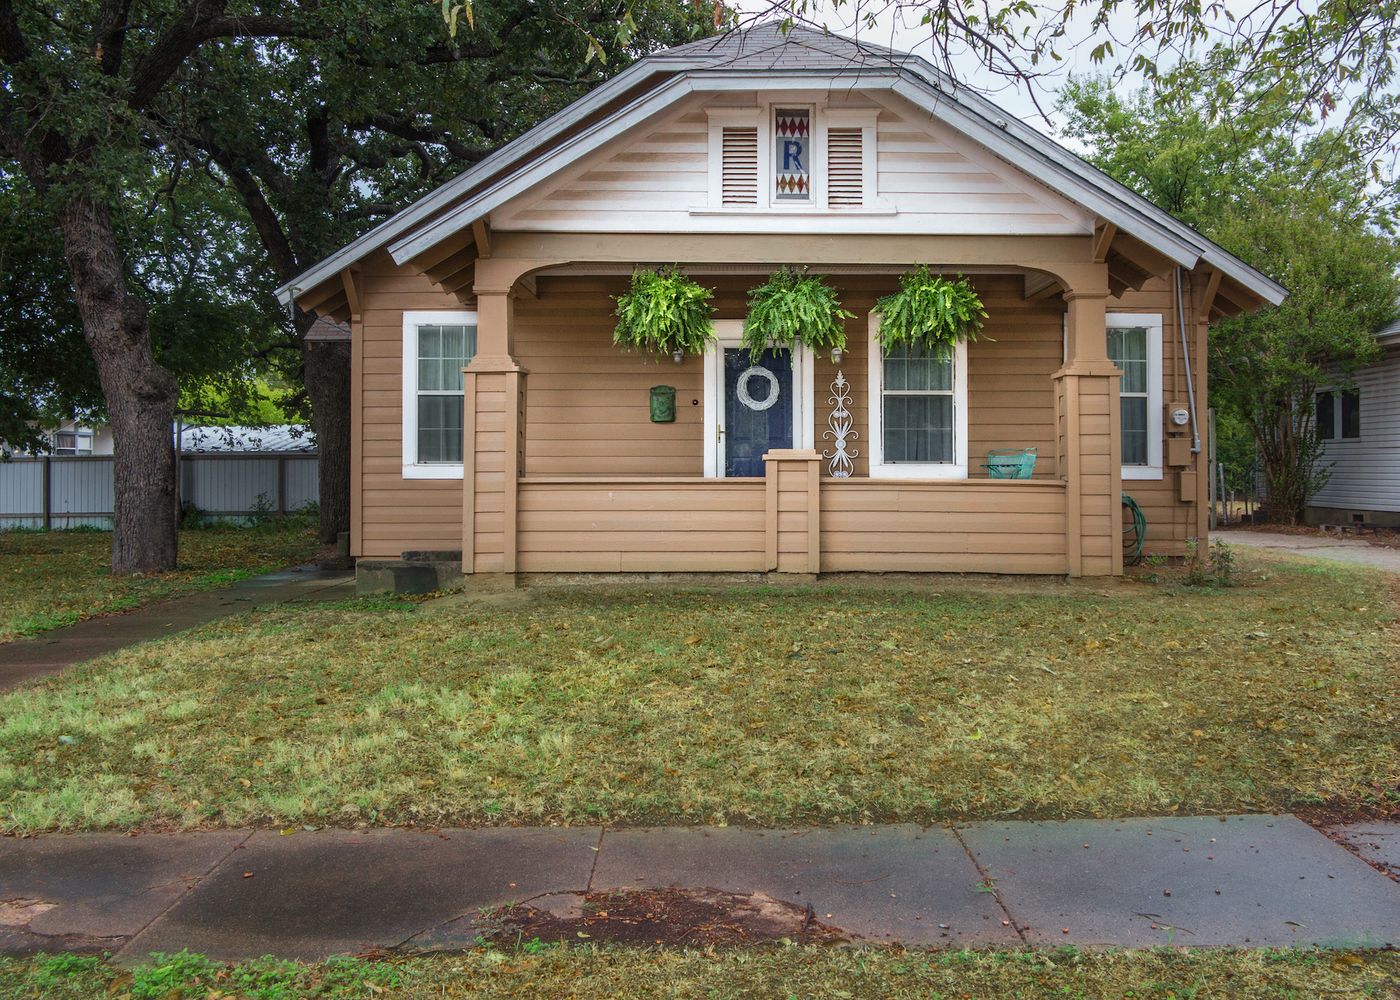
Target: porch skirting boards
[790, 523]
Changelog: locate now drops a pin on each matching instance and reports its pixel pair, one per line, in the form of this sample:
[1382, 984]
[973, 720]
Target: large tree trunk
[326, 372]
[141, 395]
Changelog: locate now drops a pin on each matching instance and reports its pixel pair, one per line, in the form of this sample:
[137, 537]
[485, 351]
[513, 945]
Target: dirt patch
[698, 917]
[1328, 819]
[1386, 538]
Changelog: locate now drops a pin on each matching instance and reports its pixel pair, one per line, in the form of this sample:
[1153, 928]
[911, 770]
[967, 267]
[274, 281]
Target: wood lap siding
[1169, 521]
[614, 527]
[588, 400]
[397, 514]
[885, 526]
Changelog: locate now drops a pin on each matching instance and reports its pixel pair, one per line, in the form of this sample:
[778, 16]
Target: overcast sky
[899, 29]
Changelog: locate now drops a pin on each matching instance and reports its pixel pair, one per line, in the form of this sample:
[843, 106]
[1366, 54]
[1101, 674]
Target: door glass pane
[757, 409]
[1134, 410]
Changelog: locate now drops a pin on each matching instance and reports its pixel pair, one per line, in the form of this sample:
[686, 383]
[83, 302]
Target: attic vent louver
[739, 166]
[845, 155]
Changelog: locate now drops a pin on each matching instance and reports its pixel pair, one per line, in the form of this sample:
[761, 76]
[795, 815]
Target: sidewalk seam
[988, 880]
[597, 853]
[218, 863]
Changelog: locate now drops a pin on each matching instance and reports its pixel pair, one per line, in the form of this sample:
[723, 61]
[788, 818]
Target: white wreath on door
[741, 388]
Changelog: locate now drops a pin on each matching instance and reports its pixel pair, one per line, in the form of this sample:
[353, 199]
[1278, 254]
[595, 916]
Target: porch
[565, 472]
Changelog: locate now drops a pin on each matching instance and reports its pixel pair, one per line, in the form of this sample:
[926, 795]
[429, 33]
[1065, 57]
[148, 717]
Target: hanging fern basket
[665, 313]
[930, 312]
[791, 307]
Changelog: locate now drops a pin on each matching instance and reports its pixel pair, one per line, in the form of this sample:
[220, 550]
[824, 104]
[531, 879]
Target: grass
[51, 579]
[744, 705]
[783, 971]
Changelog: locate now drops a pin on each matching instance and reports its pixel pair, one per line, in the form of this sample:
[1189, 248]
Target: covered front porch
[565, 471]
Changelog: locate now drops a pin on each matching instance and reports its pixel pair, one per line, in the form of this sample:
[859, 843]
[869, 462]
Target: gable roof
[766, 52]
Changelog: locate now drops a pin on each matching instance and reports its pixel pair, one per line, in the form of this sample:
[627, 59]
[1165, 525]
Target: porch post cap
[792, 455]
[486, 365]
[1076, 368]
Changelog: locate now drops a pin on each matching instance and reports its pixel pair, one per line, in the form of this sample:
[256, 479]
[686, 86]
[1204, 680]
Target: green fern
[792, 306]
[930, 311]
[663, 312]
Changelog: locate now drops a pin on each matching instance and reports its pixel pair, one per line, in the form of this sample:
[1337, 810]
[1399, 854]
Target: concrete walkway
[1240, 880]
[1339, 548]
[50, 652]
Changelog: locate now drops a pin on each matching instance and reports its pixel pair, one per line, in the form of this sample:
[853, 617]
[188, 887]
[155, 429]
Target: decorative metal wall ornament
[741, 388]
[842, 459]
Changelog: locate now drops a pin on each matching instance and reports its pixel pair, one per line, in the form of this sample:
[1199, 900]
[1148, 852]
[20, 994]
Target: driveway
[1339, 549]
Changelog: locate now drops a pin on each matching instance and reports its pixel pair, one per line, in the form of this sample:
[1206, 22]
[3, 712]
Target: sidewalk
[1339, 549]
[1249, 881]
[50, 652]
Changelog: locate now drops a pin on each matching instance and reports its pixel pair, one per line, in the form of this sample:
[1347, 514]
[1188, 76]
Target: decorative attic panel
[681, 174]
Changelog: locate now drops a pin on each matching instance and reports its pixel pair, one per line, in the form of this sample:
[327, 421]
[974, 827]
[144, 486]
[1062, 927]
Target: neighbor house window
[918, 411]
[437, 345]
[1338, 415]
[1135, 346]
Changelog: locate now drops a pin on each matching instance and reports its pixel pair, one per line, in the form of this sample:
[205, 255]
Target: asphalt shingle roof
[766, 47]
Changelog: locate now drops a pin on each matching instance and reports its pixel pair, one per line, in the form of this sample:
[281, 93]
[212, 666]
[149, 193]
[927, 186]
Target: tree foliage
[1303, 209]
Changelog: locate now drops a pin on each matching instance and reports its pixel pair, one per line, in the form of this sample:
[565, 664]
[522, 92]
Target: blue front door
[757, 408]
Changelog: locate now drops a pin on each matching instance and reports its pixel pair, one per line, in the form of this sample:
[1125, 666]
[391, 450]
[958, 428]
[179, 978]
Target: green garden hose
[1132, 556]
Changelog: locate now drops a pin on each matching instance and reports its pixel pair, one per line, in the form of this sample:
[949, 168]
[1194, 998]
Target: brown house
[494, 416]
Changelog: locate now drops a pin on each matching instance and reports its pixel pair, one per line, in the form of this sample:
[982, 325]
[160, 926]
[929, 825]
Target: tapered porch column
[493, 436]
[1086, 406]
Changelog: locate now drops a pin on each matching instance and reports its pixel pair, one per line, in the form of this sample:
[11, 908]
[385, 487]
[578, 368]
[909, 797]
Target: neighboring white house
[75, 438]
[1360, 430]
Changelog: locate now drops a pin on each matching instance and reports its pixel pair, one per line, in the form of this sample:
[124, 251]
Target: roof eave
[422, 209]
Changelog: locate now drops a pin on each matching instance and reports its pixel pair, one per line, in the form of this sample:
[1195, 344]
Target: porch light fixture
[678, 356]
[836, 355]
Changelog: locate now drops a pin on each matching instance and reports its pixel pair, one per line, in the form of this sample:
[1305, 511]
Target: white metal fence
[69, 492]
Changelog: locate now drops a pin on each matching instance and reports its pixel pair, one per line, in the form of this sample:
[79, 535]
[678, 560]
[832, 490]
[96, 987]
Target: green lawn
[796, 972]
[747, 705]
[55, 578]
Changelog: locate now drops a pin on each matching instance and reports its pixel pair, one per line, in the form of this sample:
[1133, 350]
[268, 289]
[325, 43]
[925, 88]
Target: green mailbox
[663, 404]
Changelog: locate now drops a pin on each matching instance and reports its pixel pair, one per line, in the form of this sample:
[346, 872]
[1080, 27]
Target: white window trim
[879, 468]
[761, 118]
[729, 333]
[1153, 323]
[412, 320]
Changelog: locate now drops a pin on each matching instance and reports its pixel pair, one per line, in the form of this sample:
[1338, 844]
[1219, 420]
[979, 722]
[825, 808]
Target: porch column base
[792, 527]
[1086, 405]
[491, 583]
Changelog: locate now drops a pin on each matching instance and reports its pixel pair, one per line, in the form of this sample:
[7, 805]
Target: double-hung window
[436, 346]
[918, 411]
[1135, 346]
